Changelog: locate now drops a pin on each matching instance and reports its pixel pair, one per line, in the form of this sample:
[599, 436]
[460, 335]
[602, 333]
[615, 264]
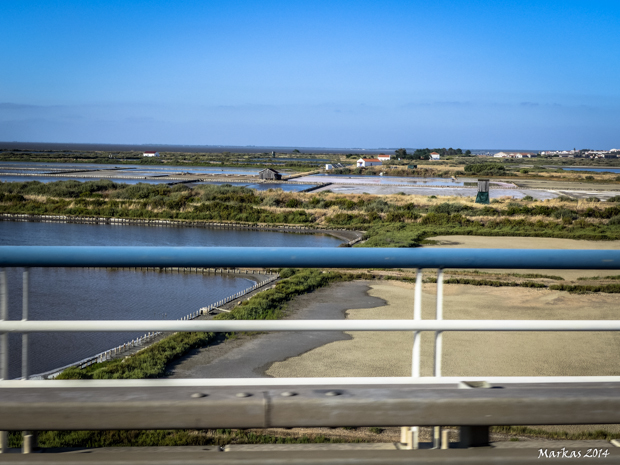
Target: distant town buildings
[366, 162]
[514, 155]
[150, 154]
[613, 153]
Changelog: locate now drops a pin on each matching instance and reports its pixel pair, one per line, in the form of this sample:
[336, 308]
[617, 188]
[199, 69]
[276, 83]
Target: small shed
[329, 167]
[269, 174]
[483, 192]
[150, 154]
[366, 162]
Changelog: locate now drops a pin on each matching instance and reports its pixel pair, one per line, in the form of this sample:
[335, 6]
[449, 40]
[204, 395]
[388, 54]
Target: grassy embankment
[389, 221]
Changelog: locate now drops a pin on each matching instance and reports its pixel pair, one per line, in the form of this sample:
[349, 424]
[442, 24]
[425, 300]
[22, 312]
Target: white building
[150, 154]
[366, 162]
[329, 167]
[384, 157]
[514, 155]
[435, 156]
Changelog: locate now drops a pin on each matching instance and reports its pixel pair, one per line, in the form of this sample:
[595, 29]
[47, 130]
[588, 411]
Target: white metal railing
[156, 327]
[367, 258]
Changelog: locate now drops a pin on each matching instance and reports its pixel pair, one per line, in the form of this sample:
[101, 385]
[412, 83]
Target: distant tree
[401, 153]
[296, 151]
[468, 153]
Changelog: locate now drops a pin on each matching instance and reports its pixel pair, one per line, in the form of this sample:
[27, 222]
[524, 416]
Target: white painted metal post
[438, 348]
[4, 349]
[4, 337]
[417, 315]
[26, 280]
[439, 316]
[410, 435]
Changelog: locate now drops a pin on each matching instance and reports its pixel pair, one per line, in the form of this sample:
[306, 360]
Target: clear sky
[464, 73]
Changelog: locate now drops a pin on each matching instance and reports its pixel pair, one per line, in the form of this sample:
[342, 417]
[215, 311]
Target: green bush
[287, 272]
[450, 208]
[485, 169]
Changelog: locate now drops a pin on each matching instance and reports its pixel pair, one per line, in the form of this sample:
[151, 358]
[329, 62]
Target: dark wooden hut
[269, 174]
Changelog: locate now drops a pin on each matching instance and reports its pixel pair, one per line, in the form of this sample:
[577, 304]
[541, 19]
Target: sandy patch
[475, 353]
[509, 242]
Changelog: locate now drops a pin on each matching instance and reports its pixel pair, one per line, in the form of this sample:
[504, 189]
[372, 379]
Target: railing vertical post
[4, 348]
[4, 337]
[438, 348]
[26, 282]
[439, 316]
[410, 434]
[417, 315]
[29, 437]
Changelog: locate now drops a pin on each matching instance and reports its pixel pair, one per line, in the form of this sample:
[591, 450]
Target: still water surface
[366, 179]
[95, 294]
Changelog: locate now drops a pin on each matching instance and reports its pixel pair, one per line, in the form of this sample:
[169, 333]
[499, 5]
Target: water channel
[99, 294]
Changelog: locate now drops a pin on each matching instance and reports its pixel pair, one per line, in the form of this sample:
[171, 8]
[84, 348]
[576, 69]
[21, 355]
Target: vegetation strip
[389, 221]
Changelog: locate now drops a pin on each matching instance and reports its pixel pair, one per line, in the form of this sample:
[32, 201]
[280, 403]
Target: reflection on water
[596, 170]
[264, 187]
[387, 180]
[97, 294]
[46, 179]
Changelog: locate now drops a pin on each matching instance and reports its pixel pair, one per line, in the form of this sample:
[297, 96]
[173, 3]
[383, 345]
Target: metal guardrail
[397, 400]
[306, 257]
[159, 405]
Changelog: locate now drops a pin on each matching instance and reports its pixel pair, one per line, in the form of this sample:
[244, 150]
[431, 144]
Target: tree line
[425, 154]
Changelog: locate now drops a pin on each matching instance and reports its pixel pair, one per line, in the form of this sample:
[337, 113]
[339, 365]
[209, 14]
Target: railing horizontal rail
[306, 257]
[584, 381]
[297, 406]
[33, 326]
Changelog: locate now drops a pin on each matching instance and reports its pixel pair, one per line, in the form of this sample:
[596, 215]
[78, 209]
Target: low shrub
[582, 289]
[485, 169]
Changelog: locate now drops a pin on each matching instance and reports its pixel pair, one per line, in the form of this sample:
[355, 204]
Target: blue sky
[472, 74]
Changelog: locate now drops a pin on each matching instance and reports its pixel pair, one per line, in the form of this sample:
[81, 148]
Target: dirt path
[250, 356]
